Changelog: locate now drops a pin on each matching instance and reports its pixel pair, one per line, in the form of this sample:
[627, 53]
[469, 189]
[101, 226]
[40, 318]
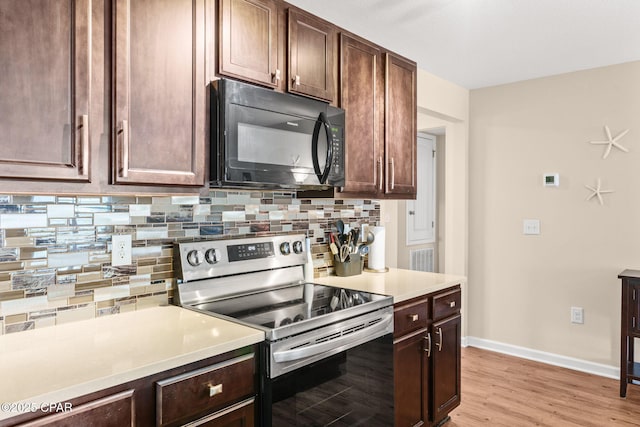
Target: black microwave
[266, 139]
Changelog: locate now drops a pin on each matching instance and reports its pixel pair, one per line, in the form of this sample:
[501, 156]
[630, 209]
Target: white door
[421, 213]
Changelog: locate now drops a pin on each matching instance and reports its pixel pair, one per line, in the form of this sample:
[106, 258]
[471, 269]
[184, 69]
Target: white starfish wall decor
[597, 192]
[611, 142]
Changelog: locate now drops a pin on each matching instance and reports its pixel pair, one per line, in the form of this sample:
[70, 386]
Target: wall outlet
[121, 249]
[577, 315]
[531, 226]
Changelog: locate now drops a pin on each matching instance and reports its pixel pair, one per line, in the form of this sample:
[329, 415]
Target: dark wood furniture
[45, 89]
[380, 161]
[218, 391]
[629, 328]
[159, 92]
[427, 358]
[100, 94]
[311, 55]
[362, 96]
[248, 41]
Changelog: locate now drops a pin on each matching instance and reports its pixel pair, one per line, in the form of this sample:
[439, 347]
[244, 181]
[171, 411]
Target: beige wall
[522, 287]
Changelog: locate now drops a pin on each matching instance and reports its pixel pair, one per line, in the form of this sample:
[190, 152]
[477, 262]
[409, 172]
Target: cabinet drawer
[410, 317]
[207, 389]
[446, 304]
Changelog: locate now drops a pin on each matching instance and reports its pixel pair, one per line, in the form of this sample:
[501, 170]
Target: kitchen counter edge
[110, 351]
[401, 284]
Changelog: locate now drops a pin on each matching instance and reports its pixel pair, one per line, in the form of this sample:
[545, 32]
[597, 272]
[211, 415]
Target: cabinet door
[411, 380]
[44, 89]
[362, 87]
[248, 40]
[114, 410]
[159, 92]
[445, 366]
[400, 127]
[311, 56]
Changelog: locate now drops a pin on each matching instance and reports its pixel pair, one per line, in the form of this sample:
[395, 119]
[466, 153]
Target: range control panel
[215, 258]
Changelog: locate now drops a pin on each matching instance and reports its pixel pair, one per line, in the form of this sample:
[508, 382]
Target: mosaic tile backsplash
[55, 251]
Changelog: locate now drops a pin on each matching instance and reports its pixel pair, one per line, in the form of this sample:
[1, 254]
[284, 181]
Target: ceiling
[479, 43]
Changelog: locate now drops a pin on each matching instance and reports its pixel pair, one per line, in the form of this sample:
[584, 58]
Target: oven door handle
[314, 349]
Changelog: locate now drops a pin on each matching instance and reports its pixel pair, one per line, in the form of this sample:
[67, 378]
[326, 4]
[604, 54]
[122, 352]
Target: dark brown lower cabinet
[218, 391]
[427, 358]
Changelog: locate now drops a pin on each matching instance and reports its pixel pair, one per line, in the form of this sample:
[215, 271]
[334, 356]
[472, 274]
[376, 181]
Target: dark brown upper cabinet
[311, 55]
[159, 92]
[400, 127]
[44, 89]
[378, 92]
[248, 41]
[361, 95]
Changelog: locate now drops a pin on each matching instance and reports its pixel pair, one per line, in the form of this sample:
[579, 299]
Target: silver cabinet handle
[412, 212]
[296, 80]
[413, 317]
[393, 174]
[276, 76]
[452, 304]
[84, 141]
[380, 173]
[124, 146]
[215, 389]
[428, 340]
[439, 343]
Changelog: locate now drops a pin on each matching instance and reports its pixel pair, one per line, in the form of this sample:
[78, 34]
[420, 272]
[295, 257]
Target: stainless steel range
[327, 350]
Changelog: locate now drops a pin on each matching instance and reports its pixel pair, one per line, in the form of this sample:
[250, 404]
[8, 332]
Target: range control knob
[297, 247]
[285, 248]
[195, 258]
[211, 256]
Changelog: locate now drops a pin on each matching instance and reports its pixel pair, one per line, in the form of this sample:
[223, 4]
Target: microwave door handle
[322, 121]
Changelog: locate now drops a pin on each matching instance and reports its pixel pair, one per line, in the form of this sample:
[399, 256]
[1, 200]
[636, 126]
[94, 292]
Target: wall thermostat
[551, 180]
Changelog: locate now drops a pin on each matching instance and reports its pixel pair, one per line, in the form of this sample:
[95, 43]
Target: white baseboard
[544, 357]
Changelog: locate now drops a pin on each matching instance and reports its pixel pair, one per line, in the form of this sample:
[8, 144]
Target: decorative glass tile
[68, 259]
[19, 327]
[122, 270]
[233, 216]
[110, 218]
[211, 230]
[23, 220]
[146, 251]
[83, 200]
[33, 280]
[146, 233]
[9, 209]
[75, 235]
[120, 200]
[180, 216]
[9, 254]
[139, 210]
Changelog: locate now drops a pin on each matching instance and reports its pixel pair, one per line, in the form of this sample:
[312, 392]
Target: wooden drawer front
[411, 317]
[446, 304]
[193, 393]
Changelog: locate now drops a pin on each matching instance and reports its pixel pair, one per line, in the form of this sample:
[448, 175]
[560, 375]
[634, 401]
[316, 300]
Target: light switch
[531, 226]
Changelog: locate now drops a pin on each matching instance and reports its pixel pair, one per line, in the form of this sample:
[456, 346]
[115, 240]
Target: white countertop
[401, 284]
[58, 363]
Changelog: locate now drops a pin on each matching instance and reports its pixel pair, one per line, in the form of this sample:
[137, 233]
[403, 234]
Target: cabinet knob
[215, 389]
[452, 304]
[413, 317]
[412, 212]
[296, 80]
[276, 76]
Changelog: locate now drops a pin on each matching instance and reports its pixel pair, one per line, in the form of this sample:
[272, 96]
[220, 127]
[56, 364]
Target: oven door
[351, 388]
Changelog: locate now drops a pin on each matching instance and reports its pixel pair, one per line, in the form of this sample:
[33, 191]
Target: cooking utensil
[340, 227]
[344, 253]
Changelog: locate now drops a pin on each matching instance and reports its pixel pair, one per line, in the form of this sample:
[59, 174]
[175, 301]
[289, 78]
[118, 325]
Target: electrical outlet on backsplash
[55, 251]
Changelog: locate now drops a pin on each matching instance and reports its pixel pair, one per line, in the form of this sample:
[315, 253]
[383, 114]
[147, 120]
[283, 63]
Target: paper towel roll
[377, 249]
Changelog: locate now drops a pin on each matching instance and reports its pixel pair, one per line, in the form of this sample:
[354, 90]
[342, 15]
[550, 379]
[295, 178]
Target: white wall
[522, 287]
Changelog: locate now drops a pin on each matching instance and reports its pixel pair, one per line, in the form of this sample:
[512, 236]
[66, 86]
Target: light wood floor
[500, 390]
